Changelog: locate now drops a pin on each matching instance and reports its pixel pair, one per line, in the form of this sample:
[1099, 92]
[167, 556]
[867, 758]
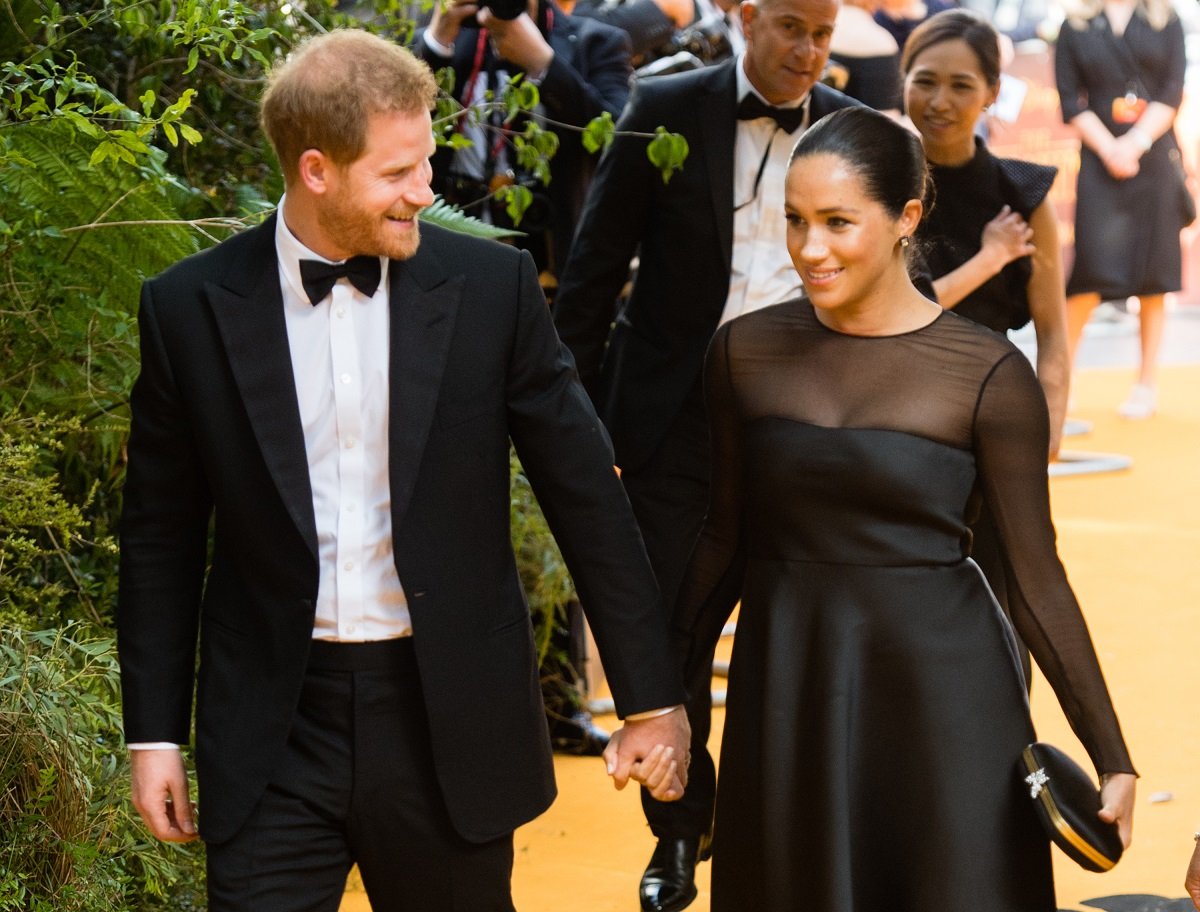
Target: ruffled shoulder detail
[1029, 182]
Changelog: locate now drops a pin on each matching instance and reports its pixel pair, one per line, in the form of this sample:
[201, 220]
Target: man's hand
[159, 788]
[654, 752]
[448, 20]
[518, 41]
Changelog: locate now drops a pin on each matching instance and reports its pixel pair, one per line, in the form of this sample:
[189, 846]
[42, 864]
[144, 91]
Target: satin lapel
[249, 314]
[718, 119]
[424, 303]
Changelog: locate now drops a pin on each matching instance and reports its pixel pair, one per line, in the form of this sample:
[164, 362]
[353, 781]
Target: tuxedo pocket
[210, 624]
[452, 414]
[517, 623]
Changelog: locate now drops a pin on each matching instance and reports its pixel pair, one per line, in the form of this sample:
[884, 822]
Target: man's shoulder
[588, 29]
[446, 252]
[448, 242]
[211, 263]
[674, 86]
[826, 99]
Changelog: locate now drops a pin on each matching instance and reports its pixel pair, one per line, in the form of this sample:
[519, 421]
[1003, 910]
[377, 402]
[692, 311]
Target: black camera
[505, 9]
[690, 48]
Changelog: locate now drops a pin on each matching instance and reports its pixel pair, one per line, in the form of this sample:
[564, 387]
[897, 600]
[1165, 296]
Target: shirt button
[341, 312]
[346, 378]
[350, 507]
[351, 629]
[350, 441]
[349, 565]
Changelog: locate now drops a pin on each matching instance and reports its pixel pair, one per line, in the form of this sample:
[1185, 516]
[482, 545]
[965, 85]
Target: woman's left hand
[1116, 794]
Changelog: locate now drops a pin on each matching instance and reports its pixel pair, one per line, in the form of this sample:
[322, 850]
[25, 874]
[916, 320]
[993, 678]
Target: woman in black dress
[990, 242]
[1119, 65]
[876, 709]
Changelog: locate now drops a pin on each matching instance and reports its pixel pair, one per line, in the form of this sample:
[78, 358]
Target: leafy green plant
[41, 532]
[68, 838]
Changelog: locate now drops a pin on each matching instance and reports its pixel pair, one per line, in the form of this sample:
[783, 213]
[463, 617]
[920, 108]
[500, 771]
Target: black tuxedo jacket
[216, 437]
[588, 76]
[642, 369]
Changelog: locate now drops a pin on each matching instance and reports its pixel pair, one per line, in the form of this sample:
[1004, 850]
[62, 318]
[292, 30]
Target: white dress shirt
[340, 364]
[761, 272]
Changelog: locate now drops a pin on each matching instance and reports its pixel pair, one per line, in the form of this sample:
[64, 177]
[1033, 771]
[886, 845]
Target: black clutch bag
[1067, 802]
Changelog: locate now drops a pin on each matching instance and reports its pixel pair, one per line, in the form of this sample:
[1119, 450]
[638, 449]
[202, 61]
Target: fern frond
[452, 218]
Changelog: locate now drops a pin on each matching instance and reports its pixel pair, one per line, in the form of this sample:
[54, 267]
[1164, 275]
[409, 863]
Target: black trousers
[669, 495]
[357, 785]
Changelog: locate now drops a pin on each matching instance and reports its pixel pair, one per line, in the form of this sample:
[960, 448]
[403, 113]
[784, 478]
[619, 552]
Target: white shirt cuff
[152, 746]
[436, 46]
[652, 713]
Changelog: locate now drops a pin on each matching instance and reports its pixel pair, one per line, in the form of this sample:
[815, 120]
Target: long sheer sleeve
[1010, 441]
[712, 583]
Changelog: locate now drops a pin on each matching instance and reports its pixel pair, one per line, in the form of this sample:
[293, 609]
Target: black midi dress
[1126, 231]
[876, 707]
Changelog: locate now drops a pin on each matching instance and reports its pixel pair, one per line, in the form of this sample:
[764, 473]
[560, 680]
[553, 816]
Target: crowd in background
[630, 267]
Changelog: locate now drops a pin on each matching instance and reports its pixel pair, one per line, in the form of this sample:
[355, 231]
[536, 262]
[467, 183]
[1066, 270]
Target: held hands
[1116, 794]
[1007, 237]
[159, 788]
[653, 752]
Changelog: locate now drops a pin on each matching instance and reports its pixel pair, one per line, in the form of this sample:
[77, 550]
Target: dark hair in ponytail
[886, 156]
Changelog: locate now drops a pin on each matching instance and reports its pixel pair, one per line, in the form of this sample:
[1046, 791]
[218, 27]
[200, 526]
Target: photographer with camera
[581, 69]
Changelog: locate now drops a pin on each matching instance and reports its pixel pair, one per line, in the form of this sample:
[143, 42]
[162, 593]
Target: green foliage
[68, 838]
[667, 152]
[533, 146]
[446, 216]
[544, 575]
[42, 534]
[599, 133]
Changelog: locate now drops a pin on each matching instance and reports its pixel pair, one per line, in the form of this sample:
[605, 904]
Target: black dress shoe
[669, 883]
[578, 735]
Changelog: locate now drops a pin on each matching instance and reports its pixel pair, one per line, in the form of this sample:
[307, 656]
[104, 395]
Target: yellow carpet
[1131, 544]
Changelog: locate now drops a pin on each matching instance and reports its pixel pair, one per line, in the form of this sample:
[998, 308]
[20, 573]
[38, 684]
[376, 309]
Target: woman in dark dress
[990, 242]
[876, 710]
[1119, 65]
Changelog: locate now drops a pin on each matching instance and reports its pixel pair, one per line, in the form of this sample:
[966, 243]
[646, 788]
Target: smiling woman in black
[876, 707]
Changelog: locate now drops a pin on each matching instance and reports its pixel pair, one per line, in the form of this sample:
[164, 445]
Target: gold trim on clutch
[1060, 823]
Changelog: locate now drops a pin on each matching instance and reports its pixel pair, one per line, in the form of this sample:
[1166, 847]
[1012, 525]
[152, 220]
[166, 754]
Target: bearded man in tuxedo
[317, 501]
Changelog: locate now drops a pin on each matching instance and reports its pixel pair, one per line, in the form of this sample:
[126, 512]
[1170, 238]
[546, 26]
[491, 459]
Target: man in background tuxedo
[710, 245]
[335, 392]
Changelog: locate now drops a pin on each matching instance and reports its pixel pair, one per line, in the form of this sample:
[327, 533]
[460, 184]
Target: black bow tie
[789, 119]
[319, 277]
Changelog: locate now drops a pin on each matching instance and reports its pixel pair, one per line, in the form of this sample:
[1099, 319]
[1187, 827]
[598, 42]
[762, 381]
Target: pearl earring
[905, 241]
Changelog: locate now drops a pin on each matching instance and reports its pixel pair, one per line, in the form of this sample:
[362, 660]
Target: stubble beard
[367, 234]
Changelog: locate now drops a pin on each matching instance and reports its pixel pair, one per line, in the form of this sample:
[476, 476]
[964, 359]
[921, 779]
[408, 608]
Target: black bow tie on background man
[319, 277]
[789, 119]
